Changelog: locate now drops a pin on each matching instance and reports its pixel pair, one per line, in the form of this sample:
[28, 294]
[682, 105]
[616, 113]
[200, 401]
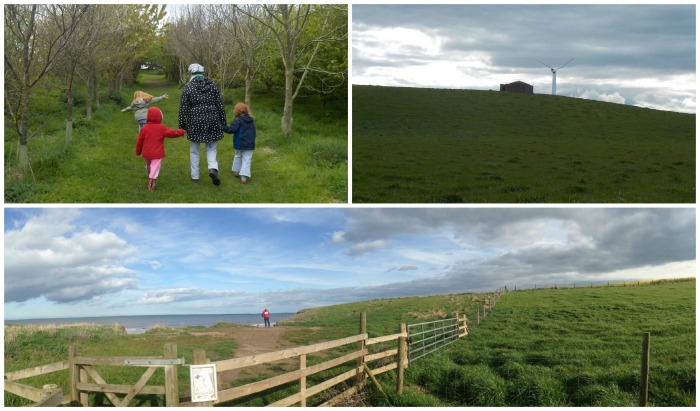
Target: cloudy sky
[62, 262]
[640, 55]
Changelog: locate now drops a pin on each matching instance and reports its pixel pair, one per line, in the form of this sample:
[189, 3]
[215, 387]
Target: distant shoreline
[138, 324]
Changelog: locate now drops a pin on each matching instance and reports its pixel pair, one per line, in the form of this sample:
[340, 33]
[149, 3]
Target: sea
[138, 324]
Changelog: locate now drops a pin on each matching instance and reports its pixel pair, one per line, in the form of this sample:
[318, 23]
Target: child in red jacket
[150, 145]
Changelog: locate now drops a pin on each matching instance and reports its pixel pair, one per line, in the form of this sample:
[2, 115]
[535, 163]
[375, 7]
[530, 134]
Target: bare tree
[203, 34]
[95, 53]
[289, 24]
[251, 37]
[68, 66]
[35, 38]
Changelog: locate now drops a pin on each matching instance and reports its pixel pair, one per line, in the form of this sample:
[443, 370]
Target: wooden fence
[83, 369]
[48, 396]
[360, 357]
[354, 358]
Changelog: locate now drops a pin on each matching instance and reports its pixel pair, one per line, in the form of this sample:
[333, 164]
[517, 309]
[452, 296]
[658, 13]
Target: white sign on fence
[203, 382]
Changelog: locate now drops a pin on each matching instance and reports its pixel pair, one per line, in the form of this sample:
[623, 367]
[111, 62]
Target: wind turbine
[554, 74]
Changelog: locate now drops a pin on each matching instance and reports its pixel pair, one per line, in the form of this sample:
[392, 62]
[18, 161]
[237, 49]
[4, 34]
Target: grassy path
[100, 165]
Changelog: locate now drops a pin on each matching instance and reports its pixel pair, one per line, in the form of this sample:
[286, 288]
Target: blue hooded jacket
[243, 130]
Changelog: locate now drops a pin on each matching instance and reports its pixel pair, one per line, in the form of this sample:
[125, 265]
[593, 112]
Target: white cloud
[366, 247]
[665, 102]
[155, 265]
[47, 257]
[607, 97]
[180, 295]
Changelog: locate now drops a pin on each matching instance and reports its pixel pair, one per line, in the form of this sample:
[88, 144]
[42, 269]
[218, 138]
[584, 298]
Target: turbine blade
[545, 63]
[565, 63]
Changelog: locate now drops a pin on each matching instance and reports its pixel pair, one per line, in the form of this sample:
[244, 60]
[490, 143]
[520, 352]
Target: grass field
[571, 347]
[100, 165]
[464, 146]
[546, 347]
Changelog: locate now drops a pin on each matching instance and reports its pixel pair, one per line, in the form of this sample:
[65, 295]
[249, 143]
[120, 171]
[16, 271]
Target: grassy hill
[452, 146]
[100, 165]
[546, 347]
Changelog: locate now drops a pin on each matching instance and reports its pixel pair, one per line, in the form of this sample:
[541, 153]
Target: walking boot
[214, 174]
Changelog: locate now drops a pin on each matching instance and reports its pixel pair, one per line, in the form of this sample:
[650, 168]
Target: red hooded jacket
[150, 142]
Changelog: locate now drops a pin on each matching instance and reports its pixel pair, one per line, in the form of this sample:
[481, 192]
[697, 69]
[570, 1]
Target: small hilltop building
[517, 87]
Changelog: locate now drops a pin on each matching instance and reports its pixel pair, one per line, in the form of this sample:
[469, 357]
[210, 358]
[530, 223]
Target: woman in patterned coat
[203, 117]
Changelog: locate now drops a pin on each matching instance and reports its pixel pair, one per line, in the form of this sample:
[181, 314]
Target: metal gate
[428, 337]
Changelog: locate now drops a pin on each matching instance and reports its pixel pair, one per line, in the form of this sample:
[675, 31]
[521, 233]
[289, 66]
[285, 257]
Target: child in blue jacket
[243, 130]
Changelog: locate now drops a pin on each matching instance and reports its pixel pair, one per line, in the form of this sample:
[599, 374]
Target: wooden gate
[82, 370]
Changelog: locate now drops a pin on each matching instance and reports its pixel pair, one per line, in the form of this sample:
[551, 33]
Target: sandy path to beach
[253, 341]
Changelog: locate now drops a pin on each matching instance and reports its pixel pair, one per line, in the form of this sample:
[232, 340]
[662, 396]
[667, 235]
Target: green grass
[571, 347]
[100, 165]
[546, 347]
[30, 346]
[465, 146]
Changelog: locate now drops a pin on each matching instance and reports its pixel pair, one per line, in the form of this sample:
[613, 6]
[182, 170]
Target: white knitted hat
[195, 68]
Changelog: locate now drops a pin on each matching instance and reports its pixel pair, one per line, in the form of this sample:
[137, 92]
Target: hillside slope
[431, 145]
[570, 347]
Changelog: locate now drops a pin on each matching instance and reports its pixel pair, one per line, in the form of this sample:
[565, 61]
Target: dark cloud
[621, 45]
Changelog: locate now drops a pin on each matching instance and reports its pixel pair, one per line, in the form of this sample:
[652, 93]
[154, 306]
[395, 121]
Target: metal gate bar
[428, 337]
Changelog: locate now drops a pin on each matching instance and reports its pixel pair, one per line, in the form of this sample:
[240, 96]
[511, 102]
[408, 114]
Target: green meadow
[465, 146]
[99, 165]
[544, 347]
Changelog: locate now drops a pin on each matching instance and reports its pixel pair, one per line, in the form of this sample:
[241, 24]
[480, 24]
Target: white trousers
[194, 158]
[241, 162]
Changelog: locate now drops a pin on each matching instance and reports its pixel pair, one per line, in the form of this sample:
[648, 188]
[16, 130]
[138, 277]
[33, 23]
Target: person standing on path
[203, 117]
[266, 317]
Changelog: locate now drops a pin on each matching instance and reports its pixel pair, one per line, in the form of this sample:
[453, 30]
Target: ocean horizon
[138, 324]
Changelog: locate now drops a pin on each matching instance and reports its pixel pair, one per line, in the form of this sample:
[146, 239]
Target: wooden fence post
[644, 385]
[74, 375]
[302, 380]
[457, 324]
[401, 359]
[199, 356]
[172, 391]
[360, 347]
[478, 316]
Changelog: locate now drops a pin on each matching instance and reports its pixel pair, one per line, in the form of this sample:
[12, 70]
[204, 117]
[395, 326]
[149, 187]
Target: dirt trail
[253, 341]
[257, 340]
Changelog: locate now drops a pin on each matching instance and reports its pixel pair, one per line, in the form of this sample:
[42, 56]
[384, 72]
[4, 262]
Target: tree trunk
[95, 96]
[248, 86]
[88, 99]
[69, 115]
[69, 118]
[288, 101]
[24, 130]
